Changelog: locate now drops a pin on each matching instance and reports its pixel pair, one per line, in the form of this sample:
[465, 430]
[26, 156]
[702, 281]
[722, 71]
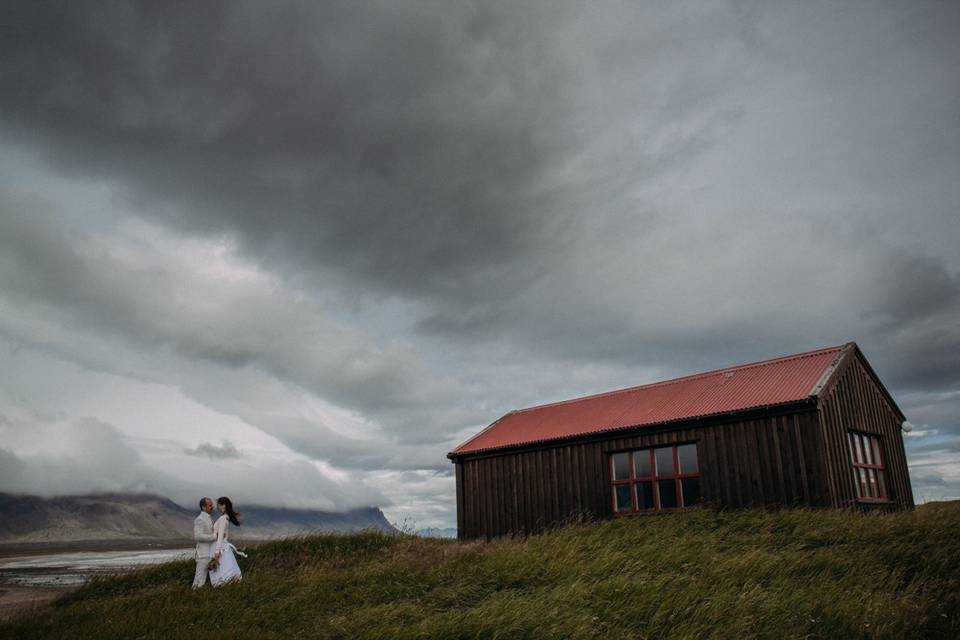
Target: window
[869, 475]
[657, 479]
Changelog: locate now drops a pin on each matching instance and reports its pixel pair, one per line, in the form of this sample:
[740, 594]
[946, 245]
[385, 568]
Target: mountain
[111, 516]
[25, 518]
[260, 522]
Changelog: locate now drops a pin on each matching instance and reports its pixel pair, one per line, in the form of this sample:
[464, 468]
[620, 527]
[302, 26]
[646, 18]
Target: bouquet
[213, 565]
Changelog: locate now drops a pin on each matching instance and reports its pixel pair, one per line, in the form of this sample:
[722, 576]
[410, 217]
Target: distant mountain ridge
[120, 516]
[271, 522]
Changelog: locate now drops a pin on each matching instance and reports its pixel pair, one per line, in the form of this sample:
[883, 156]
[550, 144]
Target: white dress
[228, 569]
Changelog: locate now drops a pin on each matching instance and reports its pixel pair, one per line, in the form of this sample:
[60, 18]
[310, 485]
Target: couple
[215, 553]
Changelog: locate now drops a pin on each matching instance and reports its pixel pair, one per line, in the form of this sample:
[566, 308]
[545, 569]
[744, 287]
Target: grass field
[739, 574]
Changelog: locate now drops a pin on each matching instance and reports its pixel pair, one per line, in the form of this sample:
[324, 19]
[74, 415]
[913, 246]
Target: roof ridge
[693, 376]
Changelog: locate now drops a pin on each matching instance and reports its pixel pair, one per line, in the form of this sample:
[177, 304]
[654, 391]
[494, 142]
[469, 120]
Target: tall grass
[746, 574]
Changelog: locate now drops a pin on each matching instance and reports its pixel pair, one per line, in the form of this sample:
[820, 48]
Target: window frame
[859, 443]
[634, 481]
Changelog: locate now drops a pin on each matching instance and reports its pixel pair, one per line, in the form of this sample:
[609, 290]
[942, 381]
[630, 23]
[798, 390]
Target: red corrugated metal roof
[747, 386]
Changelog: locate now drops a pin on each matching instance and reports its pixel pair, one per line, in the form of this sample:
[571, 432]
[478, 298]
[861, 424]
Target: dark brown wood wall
[767, 461]
[854, 401]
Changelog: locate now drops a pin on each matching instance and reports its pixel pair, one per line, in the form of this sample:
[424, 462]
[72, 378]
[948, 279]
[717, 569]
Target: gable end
[851, 354]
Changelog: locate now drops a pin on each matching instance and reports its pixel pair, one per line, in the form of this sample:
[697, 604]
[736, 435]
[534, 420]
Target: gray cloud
[432, 151]
[941, 445]
[242, 324]
[912, 303]
[226, 451]
[915, 286]
[90, 456]
[11, 470]
[442, 156]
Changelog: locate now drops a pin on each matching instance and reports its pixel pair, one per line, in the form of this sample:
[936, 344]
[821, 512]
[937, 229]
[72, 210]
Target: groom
[203, 534]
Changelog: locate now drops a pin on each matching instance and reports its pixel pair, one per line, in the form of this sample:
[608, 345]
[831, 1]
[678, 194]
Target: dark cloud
[921, 356]
[376, 151]
[226, 451]
[419, 149]
[911, 287]
[478, 159]
[910, 306]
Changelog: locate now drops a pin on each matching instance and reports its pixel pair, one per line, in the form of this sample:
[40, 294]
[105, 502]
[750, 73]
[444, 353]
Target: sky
[296, 252]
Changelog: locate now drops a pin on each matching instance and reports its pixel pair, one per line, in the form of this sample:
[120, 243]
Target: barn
[816, 429]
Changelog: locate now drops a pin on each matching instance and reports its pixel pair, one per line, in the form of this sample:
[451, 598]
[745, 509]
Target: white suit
[204, 535]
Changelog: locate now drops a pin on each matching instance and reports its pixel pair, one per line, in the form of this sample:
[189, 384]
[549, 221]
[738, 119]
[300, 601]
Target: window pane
[853, 448]
[641, 462]
[621, 466]
[872, 476]
[645, 496]
[687, 454]
[876, 451]
[867, 449]
[691, 491]
[862, 489]
[668, 493]
[664, 461]
[623, 498]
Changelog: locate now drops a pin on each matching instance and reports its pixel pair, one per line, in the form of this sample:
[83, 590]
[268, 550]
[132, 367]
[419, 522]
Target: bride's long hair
[233, 516]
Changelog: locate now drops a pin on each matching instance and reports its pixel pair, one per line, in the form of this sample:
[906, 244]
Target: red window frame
[869, 472]
[634, 480]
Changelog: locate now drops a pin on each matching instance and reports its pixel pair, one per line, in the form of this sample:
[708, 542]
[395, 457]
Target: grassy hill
[788, 574]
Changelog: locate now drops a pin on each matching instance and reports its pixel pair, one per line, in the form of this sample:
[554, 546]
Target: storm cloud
[356, 233]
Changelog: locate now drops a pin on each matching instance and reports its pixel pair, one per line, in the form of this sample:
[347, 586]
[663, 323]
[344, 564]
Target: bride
[227, 568]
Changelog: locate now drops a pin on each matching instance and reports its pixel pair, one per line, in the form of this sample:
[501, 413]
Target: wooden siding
[855, 401]
[761, 461]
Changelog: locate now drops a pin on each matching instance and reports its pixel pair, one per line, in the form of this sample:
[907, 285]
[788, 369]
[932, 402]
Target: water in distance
[75, 568]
